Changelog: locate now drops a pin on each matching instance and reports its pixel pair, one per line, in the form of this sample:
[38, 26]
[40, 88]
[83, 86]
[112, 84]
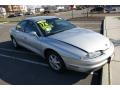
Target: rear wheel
[55, 61]
[15, 44]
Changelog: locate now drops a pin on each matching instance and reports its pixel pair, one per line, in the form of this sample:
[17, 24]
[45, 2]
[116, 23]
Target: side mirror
[18, 27]
[33, 33]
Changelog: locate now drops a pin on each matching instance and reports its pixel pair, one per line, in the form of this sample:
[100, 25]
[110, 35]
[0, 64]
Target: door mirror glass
[18, 27]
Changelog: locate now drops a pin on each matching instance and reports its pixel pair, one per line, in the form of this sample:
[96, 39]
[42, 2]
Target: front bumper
[85, 68]
[92, 64]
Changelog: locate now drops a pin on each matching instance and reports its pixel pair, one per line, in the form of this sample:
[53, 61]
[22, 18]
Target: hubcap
[54, 62]
[14, 43]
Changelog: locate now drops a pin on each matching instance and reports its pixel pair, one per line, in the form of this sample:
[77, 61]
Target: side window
[20, 26]
[30, 27]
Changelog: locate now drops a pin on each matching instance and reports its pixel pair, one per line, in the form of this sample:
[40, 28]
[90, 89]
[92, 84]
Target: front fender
[66, 51]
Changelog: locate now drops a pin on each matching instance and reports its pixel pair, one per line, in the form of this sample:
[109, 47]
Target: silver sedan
[62, 44]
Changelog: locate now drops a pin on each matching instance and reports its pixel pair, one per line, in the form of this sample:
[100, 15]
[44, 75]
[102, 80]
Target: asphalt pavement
[23, 67]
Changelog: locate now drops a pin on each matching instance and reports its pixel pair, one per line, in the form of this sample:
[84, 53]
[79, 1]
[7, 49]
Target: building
[2, 12]
[14, 8]
[39, 10]
[31, 10]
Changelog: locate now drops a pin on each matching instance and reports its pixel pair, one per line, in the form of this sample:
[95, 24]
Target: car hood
[83, 38]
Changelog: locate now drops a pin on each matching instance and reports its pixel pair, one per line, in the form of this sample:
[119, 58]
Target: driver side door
[33, 37]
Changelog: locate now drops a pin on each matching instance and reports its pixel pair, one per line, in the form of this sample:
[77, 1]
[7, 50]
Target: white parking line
[24, 60]
[17, 51]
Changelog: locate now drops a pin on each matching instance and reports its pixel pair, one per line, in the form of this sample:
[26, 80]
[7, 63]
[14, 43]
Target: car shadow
[18, 72]
[9, 45]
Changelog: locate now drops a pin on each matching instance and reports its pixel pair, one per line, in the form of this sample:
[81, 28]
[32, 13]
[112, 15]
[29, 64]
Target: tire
[15, 44]
[55, 62]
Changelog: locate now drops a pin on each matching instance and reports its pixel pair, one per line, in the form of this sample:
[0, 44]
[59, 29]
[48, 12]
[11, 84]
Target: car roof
[37, 18]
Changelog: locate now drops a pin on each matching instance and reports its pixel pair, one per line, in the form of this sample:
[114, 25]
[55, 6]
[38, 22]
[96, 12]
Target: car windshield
[54, 25]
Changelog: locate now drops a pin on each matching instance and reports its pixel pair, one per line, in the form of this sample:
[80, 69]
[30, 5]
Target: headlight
[92, 55]
[95, 54]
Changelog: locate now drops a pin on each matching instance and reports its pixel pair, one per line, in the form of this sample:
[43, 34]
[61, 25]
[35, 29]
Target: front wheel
[55, 61]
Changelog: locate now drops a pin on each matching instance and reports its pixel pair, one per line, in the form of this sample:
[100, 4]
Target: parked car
[61, 9]
[97, 9]
[14, 15]
[11, 15]
[62, 44]
[113, 10]
[19, 14]
[46, 10]
[28, 13]
[79, 7]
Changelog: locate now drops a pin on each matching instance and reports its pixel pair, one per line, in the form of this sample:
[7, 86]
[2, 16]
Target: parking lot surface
[25, 67]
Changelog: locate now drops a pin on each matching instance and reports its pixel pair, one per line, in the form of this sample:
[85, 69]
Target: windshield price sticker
[44, 25]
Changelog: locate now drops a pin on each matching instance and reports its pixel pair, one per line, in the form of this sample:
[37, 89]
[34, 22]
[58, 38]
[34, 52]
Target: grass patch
[118, 17]
[14, 19]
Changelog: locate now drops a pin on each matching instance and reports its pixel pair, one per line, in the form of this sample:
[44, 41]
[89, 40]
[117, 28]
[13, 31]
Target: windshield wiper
[56, 32]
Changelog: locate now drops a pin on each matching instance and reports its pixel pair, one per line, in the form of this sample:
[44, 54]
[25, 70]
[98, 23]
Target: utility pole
[87, 11]
[72, 13]
[72, 10]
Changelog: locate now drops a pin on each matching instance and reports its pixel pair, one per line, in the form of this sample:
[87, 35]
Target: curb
[106, 79]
